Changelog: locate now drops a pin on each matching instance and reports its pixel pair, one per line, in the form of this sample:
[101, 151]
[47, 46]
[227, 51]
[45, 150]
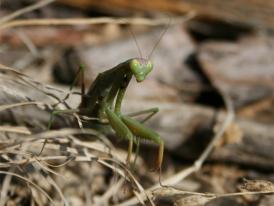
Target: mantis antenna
[136, 42]
[160, 38]
[157, 43]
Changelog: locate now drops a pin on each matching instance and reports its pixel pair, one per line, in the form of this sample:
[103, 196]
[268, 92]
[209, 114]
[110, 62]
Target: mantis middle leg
[151, 112]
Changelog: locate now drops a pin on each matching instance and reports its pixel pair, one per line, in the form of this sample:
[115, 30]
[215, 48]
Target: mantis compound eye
[140, 68]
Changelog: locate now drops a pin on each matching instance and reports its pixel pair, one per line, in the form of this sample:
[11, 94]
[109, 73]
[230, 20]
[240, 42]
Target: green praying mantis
[103, 102]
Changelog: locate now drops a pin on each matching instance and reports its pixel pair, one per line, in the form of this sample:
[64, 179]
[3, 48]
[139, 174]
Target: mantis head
[140, 68]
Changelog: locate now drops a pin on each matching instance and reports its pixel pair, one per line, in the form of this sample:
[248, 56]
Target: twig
[25, 10]
[29, 44]
[15, 129]
[101, 20]
[165, 192]
[20, 104]
[230, 116]
[30, 82]
[234, 194]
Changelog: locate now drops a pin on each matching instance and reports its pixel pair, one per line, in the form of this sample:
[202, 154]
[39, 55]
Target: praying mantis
[103, 102]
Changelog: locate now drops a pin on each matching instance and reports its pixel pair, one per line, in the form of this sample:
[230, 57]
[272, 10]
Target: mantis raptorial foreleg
[121, 130]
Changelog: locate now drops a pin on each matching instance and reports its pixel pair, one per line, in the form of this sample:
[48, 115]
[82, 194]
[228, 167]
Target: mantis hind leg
[51, 120]
[137, 150]
[54, 113]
